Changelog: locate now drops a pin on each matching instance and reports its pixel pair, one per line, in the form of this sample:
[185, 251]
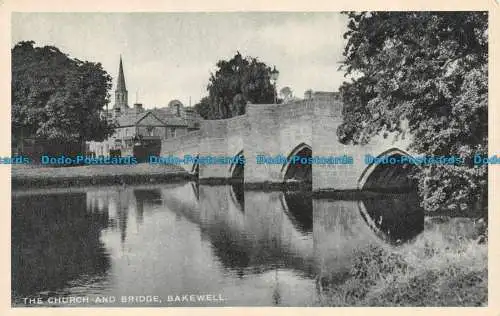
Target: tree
[286, 94]
[236, 82]
[57, 98]
[204, 108]
[429, 69]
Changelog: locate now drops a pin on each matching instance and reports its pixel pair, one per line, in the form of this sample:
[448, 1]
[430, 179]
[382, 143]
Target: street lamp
[274, 77]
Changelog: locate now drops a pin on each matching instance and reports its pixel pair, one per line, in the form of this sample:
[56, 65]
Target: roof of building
[132, 118]
[169, 117]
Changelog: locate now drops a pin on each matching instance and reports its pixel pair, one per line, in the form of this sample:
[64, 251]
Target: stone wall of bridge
[188, 144]
[274, 129]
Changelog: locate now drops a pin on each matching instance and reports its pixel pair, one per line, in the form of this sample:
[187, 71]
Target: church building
[139, 132]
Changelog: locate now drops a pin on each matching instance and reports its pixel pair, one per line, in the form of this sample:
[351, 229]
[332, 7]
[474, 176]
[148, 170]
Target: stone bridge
[304, 128]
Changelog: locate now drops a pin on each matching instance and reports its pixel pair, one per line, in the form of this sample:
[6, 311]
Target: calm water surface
[246, 247]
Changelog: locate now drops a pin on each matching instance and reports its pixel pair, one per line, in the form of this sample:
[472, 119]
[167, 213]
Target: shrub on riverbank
[432, 271]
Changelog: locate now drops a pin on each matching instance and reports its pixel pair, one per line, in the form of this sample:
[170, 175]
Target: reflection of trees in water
[396, 218]
[55, 237]
[55, 240]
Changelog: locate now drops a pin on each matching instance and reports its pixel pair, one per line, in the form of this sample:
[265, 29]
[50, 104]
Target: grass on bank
[434, 270]
[26, 171]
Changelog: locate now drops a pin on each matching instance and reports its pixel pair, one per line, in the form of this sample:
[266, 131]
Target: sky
[170, 56]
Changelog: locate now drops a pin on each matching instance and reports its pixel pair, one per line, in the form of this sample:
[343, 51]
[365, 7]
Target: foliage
[55, 97]
[235, 83]
[428, 69]
[286, 94]
[430, 271]
[203, 108]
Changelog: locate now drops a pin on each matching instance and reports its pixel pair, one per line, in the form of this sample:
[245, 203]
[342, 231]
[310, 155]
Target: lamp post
[274, 77]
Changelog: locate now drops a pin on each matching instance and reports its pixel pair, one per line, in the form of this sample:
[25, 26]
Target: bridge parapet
[172, 146]
[187, 144]
[303, 126]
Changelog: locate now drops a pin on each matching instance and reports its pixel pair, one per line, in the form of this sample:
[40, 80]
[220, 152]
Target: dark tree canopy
[429, 69]
[55, 97]
[203, 108]
[235, 83]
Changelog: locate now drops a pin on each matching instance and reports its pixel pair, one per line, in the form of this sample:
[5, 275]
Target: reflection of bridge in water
[247, 234]
[251, 231]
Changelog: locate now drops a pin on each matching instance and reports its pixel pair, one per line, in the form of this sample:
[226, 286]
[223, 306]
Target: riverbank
[24, 176]
[436, 270]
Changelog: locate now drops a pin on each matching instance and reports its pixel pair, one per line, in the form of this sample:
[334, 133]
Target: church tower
[121, 93]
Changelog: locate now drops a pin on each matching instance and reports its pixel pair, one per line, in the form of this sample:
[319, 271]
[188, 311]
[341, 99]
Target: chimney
[138, 108]
[308, 95]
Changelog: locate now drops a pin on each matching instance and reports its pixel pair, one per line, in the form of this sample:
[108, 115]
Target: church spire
[120, 84]
[121, 93]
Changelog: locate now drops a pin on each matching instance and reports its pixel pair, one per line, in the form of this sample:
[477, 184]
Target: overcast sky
[171, 55]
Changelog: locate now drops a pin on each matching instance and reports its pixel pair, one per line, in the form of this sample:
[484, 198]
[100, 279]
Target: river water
[190, 245]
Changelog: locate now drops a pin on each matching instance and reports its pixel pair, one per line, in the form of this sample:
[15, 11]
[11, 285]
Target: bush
[428, 272]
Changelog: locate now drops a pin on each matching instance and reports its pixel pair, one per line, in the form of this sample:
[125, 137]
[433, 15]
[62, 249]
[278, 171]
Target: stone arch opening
[237, 169]
[295, 169]
[387, 177]
[195, 169]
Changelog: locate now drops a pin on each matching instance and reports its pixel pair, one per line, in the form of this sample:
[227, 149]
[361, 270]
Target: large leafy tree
[204, 108]
[236, 82]
[428, 69]
[57, 98]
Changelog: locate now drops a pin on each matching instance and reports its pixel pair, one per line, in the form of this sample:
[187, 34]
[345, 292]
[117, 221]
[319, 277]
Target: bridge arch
[297, 171]
[237, 167]
[195, 167]
[387, 177]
